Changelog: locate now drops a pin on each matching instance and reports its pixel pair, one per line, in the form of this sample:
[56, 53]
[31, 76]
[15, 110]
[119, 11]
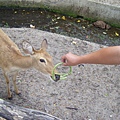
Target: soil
[60, 24]
[91, 92]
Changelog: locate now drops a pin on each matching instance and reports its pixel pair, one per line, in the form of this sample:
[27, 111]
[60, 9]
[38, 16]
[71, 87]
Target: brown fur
[12, 60]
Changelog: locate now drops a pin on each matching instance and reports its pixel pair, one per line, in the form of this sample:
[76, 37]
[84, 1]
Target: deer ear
[44, 44]
[27, 48]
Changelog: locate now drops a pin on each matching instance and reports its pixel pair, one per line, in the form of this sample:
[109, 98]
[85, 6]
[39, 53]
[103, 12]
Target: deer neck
[23, 62]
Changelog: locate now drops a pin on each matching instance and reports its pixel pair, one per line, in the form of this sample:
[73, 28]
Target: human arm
[108, 56]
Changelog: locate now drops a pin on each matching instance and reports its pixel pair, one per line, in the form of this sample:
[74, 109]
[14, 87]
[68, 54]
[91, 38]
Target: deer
[12, 60]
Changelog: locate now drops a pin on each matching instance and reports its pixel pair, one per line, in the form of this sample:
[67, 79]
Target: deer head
[41, 60]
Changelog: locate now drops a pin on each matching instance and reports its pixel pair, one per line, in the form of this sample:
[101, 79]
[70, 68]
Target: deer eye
[42, 60]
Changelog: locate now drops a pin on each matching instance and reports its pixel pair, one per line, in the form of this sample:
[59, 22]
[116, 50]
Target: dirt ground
[92, 92]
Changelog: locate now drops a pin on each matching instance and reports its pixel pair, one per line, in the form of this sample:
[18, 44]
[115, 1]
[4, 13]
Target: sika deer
[12, 60]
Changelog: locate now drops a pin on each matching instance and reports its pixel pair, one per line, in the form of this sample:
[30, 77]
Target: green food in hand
[60, 76]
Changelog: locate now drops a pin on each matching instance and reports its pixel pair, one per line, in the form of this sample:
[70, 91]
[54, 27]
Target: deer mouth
[56, 77]
[59, 76]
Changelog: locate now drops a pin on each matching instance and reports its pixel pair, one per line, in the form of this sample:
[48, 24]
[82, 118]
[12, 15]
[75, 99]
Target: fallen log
[9, 111]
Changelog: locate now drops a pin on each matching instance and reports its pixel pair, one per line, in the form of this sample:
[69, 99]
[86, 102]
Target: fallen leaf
[51, 28]
[83, 27]
[19, 81]
[15, 12]
[63, 17]
[116, 34]
[32, 26]
[57, 27]
[53, 20]
[106, 95]
[78, 21]
[104, 33]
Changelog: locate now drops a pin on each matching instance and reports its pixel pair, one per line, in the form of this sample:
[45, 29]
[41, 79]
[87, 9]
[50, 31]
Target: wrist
[82, 59]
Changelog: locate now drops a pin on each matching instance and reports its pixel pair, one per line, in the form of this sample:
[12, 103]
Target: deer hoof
[18, 93]
[10, 97]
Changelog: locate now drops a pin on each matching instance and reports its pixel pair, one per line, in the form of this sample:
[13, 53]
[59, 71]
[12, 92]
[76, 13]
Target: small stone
[32, 26]
[58, 18]
[101, 24]
[73, 42]
[111, 116]
[104, 33]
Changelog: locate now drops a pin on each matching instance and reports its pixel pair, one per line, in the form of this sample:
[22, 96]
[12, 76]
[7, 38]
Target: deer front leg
[14, 83]
[8, 85]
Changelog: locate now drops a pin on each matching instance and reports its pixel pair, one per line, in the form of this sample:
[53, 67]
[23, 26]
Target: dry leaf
[32, 26]
[116, 34]
[78, 21]
[63, 17]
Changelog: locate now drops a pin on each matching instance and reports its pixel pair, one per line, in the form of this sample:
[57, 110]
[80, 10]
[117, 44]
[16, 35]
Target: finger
[65, 64]
[63, 59]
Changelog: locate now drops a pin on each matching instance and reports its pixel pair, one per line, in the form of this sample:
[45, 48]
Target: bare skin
[108, 56]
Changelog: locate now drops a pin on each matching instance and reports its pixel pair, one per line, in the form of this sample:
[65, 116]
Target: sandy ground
[92, 92]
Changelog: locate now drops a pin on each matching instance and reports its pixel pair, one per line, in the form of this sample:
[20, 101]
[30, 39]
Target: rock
[101, 24]
[10, 111]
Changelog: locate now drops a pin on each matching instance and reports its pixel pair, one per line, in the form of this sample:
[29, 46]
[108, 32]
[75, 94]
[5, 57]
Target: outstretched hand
[70, 59]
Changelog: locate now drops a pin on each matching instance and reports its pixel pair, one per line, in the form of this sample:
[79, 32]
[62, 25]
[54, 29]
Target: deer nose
[56, 77]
